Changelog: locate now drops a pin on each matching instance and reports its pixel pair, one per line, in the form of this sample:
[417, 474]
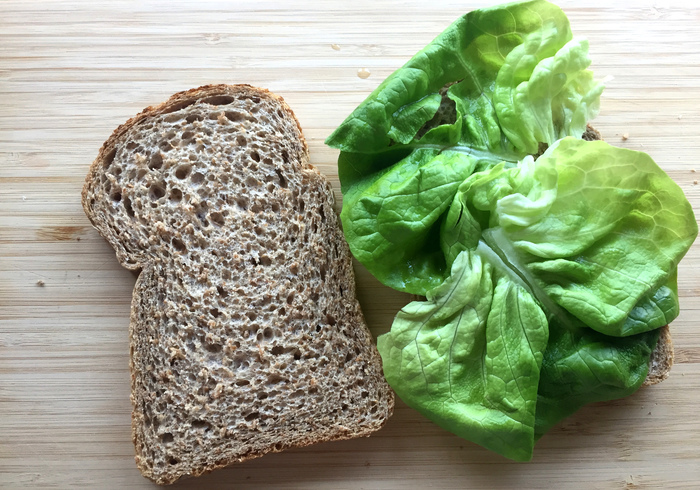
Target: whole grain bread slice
[246, 336]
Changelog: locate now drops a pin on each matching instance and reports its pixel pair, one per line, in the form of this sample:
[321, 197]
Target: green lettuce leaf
[548, 263]
[615, 232]
[469, 357]
[582, 366]
[472, 49]
[550, 100]
[448, 104]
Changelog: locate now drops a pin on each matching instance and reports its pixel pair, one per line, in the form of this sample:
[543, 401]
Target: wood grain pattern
[71, 71]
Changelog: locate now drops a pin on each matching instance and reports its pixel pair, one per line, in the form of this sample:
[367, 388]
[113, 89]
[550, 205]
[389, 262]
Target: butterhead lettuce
[548, 263]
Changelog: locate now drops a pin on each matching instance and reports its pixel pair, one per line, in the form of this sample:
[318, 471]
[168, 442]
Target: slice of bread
[246, 336]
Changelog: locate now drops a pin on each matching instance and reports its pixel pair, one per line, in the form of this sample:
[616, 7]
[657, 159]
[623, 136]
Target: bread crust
[149, 267]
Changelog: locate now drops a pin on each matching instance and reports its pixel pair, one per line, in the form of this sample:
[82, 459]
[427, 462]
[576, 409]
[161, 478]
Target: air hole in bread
[156, 161]
[222, 292]
[274, 379]
[322, 271]
[285, 156]
[283, 181]
[200, 425]
[255, 156]
[217, 218]
[178, 106]
[109, 157]
[197, 178]
[242, 382]
[213, 348]
[240, 362]
[183, 171]
[187, 135]
[218, 100]
[202, 215]
[265, 261]
[268, 333]
[156, 191]
[194, 117]
[252, 416]
[166, 438]
[128, 208]
[173, 461]
[178, 245]
[175, 195]
[234, 116]
[330, 319]
[241, 140]
[242, 203]
[171, 118]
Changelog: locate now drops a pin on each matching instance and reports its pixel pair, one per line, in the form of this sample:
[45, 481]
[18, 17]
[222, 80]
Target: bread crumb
[336, 47]
[680, 116]
[41, 282]
[363, 73]
[625, 136]
[692, 170]
[24, 198]
[695, 182]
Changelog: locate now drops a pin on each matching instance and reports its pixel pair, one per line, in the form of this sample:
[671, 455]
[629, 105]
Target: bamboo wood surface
[70, 72]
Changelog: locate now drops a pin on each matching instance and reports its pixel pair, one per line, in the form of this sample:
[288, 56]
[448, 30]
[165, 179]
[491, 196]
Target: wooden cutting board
[71, 71]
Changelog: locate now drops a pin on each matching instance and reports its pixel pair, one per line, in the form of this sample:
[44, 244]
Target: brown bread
[246, 336]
